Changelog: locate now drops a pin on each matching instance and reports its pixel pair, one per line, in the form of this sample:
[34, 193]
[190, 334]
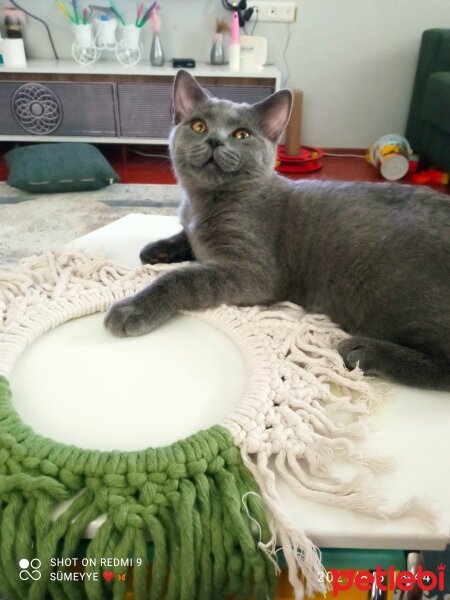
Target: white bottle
[234, 51]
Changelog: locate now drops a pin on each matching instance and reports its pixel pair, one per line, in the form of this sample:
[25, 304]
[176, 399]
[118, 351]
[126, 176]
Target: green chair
[428, 128]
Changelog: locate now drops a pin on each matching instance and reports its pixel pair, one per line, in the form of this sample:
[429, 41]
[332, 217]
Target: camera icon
[29, 569]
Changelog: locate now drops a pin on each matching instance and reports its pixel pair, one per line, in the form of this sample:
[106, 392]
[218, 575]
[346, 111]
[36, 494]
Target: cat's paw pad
[127, 319]
[155, 253]
[357, 353]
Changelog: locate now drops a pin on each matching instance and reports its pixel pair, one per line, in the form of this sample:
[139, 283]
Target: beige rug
[36, 223]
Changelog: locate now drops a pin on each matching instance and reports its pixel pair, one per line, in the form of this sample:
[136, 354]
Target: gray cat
[374, 257]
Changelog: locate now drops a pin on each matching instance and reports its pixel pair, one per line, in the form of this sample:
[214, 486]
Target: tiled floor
[133, 167]
[156, 169]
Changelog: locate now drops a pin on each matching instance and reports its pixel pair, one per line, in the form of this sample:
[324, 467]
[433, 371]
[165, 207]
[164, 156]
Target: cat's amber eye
[198, 126]
[241, 134]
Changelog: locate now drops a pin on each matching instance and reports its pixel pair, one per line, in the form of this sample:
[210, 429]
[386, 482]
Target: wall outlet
[284, 12]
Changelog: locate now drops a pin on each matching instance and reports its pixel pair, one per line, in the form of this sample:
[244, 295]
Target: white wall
[354, 59]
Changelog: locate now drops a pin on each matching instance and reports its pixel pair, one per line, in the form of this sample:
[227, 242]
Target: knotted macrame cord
[302, 413]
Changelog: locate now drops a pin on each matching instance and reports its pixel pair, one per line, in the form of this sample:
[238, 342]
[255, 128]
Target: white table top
[180, 374]
[105, 67]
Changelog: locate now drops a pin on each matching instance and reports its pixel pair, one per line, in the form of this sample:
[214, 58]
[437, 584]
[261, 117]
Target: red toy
[430, 176]
[292, 157]
[308, 159]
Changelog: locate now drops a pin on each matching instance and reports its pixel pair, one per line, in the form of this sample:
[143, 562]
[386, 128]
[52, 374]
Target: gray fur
[374, 257]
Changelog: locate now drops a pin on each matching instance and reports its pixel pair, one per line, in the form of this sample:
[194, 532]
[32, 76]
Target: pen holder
[13, 52]
[84, 51]
[129, 49]
[105, 36]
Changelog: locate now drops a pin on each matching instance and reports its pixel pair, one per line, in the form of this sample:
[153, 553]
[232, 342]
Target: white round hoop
[301, 407]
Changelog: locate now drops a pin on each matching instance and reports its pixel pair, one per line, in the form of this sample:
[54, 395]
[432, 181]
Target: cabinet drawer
[144, 109]
[240, 93]
[57, 108]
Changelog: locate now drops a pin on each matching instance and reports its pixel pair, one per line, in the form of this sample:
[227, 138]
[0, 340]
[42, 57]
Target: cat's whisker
[227, 159]
[199, 154]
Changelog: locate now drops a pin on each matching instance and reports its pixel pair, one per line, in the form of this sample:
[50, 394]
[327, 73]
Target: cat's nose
[214, 141]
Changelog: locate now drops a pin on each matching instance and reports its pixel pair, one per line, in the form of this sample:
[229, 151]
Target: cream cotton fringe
[299, 418]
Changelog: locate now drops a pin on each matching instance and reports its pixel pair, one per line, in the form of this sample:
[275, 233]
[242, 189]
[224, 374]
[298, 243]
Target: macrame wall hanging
[207, 506]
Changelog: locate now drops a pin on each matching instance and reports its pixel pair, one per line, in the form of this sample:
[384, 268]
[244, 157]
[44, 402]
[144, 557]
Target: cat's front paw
[359, 352]
[126, 318]
[156, 252]
[174, 249]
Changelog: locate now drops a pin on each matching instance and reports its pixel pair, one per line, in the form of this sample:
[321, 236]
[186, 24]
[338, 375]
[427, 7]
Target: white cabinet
[105, 102]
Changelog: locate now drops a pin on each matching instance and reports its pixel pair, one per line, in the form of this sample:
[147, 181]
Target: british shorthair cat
[374, 257]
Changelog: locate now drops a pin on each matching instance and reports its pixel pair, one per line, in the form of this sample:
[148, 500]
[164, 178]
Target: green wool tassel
[178, 512]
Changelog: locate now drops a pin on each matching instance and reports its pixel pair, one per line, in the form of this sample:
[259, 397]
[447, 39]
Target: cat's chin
[207, 175]
[211, 166]
[212, 171]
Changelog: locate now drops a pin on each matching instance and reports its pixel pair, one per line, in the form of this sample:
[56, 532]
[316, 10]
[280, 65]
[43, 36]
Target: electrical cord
[256, 11]
[339, 155]
[149, 155]
[14, 3]
[165, 156]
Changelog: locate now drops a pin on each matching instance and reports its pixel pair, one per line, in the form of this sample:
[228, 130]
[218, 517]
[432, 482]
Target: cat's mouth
[219, 162]
[211, 163]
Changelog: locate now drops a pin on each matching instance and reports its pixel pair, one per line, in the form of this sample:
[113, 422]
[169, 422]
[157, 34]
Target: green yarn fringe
[185, 501]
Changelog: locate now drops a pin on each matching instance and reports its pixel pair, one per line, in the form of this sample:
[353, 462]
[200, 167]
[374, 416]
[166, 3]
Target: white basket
[129, 49]
[84, 50]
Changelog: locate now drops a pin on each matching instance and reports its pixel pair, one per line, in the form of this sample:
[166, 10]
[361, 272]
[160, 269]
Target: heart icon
[108, 575]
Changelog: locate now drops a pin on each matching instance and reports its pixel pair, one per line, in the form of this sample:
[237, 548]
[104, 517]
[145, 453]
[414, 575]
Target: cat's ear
[273, 112]
[186, 95]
